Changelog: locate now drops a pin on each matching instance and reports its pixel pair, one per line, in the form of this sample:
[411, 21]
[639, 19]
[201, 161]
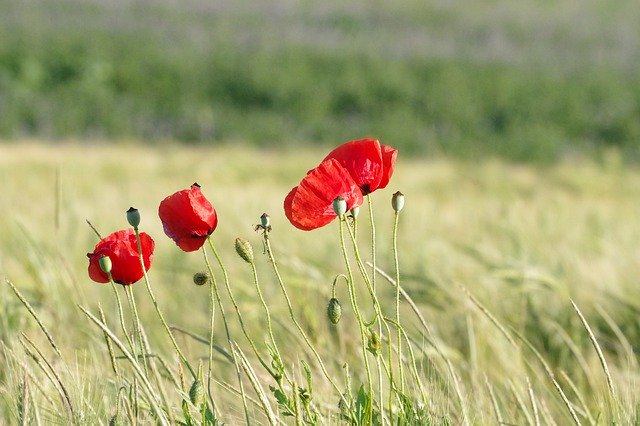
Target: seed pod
[265, 221]
[196, 393]
[200, 278]
[373, 343]
[133, 217]
[355, 211]
[334, 310]
[244, 250]
[397, 201]
[105, 264]
[340, 206]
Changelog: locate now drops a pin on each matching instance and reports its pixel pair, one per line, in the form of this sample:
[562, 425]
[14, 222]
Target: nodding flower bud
[105, 264]
[355, 212]
[340, 206]
[133, 217]
[397, 201]
[244, 250]
[196, 393]
[373, 343]
[334, 311]
[265, 221]
[200, 278]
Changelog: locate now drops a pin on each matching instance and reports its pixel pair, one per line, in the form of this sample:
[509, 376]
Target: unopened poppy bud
[200, 278]
[244, 250]
[196, 393]
[265, 220]
[133, 217]
[334, 310]
[105, 264]
[340, 206]
[373, 344]
[355, 212]
[397, 201]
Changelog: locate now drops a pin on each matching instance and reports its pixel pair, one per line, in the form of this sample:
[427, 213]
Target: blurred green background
[531, 80]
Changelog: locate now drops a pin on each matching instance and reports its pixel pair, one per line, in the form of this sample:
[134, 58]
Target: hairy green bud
[334, 310]
[200, 278]
[244, 250]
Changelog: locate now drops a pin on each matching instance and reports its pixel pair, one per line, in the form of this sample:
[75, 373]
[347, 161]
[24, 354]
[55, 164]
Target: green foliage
[95, 83]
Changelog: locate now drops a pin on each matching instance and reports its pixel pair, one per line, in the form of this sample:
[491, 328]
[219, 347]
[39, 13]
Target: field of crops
[491, 254]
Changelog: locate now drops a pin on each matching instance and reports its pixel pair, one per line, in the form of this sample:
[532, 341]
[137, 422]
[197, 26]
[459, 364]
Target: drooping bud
[265, 221]
[340, 206]
[200, 278]
[244, 250]
[334, 310]
[373, 343]
[105, 264]
[397, 201]
[133, 217]
[355, 211]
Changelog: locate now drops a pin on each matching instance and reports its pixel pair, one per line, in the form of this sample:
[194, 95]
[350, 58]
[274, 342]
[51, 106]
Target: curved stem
[158, 311]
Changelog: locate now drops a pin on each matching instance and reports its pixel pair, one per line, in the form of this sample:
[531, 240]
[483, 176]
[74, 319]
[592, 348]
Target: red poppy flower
[188, 218]
[122, 249]
[369, 163]
[310, 204]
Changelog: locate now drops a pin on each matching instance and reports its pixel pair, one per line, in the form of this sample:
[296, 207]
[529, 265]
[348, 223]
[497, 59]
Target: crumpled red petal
[310, 204]
[188, 218]
[389, 155]
[122, 249]
[363, 160]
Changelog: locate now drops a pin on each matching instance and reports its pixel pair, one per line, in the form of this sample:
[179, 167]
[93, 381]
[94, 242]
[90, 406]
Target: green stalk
[395, 260]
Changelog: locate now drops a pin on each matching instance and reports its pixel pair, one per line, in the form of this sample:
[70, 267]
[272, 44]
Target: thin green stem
[356, 310]
[158, 311]
[137, 326]
[237, 309]
[216, 293]
[121, 314]
[395, 260]
[212, 311]
[272, 259]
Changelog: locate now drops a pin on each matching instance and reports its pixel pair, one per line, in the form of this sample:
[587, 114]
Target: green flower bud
[265, 221]
[244, 250]
[340, 206]
[397, 201]
[334, 310]
[200, 278]
[105, 264]
[355, 212]
[133, 217]
[373, 343]
[196, 393]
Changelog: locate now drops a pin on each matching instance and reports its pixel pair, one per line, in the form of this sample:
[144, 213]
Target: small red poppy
[122, 249]
[188, 218]
[310, 204]
[369, 163]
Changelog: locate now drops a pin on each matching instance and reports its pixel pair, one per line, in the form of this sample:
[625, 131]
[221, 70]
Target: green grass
[529, 81]
[524, 241]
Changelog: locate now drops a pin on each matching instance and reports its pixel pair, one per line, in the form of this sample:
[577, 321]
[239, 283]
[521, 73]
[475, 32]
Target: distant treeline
[88, 86]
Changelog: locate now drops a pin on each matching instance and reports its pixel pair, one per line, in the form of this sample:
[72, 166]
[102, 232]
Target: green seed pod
[105, 264]
[244, 250]
[340, 206]
[265, 221]
[397, 201]
[200, 278]
[355, 212]
[373, 343]
[133, 217]
[334, 310]
[196, 393]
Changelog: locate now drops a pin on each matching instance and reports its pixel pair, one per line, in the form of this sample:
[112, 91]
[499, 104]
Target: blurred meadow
[518, 130]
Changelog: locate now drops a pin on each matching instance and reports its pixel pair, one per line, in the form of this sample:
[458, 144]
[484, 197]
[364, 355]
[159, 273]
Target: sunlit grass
[523, 241]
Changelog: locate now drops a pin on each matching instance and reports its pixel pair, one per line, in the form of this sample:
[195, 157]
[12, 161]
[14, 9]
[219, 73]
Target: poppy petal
[389, 155]
[122, 249]
[363, 159]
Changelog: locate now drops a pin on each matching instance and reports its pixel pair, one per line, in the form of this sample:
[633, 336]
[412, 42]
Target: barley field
[520, 289]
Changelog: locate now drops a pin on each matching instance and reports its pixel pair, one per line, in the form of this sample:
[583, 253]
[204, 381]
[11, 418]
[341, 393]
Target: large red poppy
[369, 163]
[310, 204]
[188, 218]
[122, 249]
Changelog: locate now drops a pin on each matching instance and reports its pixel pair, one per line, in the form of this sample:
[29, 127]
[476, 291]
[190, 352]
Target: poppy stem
[272, 259]
[212, 312]
[216, 293]
[397, 267]
[137, 326]
[158, 311]
[121, 313]
[356, 310]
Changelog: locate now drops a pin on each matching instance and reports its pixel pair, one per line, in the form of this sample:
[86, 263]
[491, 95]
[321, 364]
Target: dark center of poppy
[366, 189]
